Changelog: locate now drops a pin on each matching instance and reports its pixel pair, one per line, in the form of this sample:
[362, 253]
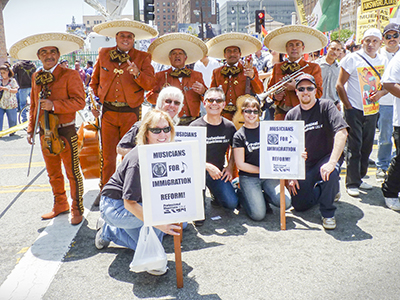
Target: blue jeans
[22, 96]
[11, 116]
[121, 227]
[223, 192]
[385, 126]
[314, 190]
[253, 190]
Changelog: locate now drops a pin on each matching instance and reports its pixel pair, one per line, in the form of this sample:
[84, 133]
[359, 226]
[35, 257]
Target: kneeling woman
[120, 204]
[256, 192]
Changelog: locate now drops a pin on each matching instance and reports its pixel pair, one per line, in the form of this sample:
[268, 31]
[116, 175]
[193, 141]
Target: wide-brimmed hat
[141, 30]
[194, 47]
[247, 44]
[313, 39]
[27, 48]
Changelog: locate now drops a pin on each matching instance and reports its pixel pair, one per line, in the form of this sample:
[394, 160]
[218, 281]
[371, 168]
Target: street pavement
[229, 258]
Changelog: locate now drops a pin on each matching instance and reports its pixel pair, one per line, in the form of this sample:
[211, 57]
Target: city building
[165, 12]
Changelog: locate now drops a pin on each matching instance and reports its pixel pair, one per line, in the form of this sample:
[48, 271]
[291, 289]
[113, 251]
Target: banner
[368, 20]
[373, 5]
[281, 145]
[301, 13]
[325, 15]
[170, 176]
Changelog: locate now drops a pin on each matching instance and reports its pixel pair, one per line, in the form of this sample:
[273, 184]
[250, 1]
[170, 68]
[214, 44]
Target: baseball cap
[373, 32]
[308, 77]
[391, 26]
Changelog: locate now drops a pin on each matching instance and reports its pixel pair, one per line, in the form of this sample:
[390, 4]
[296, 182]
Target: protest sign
[281, 145]
[170, 176]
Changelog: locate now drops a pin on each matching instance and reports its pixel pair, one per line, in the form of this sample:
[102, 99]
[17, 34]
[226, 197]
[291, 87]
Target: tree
[3, 48]
[345, 34]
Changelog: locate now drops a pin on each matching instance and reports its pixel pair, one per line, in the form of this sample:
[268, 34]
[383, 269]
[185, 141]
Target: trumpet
[279, 86]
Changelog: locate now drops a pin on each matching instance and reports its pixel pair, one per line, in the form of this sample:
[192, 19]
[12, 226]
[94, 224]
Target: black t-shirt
[249, 139]
[125, 182]
[128, 140]
[219, 138]
[321, 123]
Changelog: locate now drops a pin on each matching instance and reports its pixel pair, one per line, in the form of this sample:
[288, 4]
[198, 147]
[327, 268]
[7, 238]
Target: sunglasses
[389, 36]
[211, 100]
[158, 130]
[309, 89]
[250, 111]
[169, 101]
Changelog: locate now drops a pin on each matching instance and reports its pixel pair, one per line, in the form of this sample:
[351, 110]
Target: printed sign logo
[273, 139]
[159, 169]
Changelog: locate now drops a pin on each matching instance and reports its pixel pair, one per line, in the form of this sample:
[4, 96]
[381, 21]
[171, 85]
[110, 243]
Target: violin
[50, 140]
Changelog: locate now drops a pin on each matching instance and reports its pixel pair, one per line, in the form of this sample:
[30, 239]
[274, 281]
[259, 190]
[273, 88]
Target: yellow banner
[368, 20]
[372, 5]
[301, 13]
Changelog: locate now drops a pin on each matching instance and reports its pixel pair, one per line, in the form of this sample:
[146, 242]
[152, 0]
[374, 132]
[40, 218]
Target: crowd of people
[336, 96]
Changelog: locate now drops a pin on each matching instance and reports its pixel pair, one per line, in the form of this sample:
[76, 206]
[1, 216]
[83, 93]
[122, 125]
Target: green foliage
[345, 34]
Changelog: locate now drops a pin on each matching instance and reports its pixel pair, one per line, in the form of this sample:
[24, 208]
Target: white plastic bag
[149, 254]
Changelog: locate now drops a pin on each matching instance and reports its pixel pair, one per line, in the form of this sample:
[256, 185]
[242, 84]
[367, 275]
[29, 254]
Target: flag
[325, 15]
[264, 32]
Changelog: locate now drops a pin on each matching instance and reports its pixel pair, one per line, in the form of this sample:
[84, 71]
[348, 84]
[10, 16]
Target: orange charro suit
[290, 99]
[68, 96]
[192, 100]
[235, 86]
[113, 84]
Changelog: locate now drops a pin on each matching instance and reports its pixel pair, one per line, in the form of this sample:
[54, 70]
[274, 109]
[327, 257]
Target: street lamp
[237, 14]
[200, 13]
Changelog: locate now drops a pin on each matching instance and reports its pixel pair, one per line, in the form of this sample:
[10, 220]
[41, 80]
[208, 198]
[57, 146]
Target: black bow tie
[181, 73]
[230, 71]
[290, 67]
[44, 77]
[118, 56]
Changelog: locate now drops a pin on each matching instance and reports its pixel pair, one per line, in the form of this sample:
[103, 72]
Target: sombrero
[141, 31]
[195, 48]
[28, 47]
[247, 44]
[313, 39]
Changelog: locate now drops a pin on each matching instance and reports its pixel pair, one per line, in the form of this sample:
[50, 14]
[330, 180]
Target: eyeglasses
[389, 36]
[250, 111]
[169, 101]
[158, 130]
[211, 100]
[309, 89]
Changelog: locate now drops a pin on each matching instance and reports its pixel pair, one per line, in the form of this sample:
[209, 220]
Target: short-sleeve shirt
[129, 139]
[219, 138]
[321, 123]
[392, 75]
[125, 182]
[363, 78]
[249, 139]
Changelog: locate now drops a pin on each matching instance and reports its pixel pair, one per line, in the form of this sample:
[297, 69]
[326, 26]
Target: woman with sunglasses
[121, 198]
[256, 193]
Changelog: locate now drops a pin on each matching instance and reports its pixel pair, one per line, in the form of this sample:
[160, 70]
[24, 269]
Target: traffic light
[260, 20]
[148, 10]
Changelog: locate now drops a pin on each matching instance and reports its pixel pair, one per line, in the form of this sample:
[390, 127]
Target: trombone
[279, 86]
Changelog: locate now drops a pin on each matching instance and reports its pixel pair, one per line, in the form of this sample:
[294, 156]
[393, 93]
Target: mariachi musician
[57, 94]
[178, 50]
[120, 76]
[234, 76]
[293, 40]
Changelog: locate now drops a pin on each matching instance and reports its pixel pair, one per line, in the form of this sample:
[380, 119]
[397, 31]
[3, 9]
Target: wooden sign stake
[178, 259]
[283, 204]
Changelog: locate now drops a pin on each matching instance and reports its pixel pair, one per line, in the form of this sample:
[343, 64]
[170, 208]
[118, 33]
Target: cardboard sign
[170, 176]
[281, 145]
[186, 133]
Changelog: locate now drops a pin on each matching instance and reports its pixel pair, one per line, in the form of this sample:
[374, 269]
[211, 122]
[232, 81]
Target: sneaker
[393, 203]
[329, 223]
[99, 242]
[380, 175]
[337, 197]
[365, 186]
[354, 192]
[158, 272]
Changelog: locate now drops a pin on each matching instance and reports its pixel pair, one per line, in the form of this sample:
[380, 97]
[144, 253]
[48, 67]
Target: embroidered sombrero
[247, 44]
[28, 47]
[141, 30]
[313, 39]
[194, 47]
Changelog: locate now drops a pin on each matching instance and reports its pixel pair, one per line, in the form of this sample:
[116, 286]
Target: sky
[23, 18]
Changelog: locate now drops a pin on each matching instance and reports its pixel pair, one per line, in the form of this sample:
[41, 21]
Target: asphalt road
[229, 258]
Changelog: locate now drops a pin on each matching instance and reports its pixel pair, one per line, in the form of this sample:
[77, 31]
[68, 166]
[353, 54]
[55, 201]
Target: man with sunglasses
[220, 133]
[391, 40]
[361, 71]
[325, 138]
